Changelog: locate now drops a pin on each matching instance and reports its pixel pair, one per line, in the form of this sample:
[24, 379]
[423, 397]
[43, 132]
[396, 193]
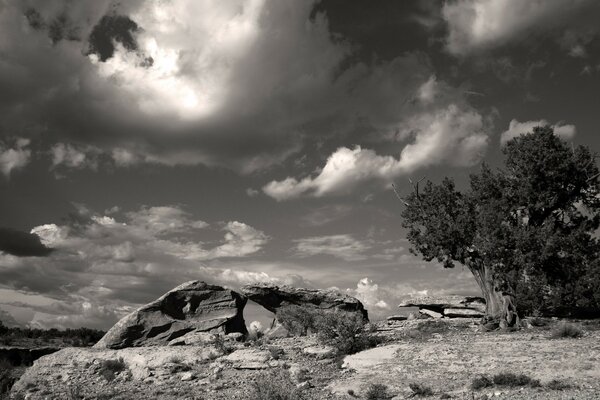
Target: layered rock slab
[274, 297]
[452, 306]
[190, 308]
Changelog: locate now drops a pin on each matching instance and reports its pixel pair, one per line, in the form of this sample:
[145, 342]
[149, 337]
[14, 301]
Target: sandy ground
[446, 362]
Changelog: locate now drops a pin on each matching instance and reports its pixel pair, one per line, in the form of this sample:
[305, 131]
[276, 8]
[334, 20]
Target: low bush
[504, 379]
[481, 382]
[566, 330]
[557, 384]
[109, 368]
[508, 379]
[276, 386]
[342, 330]
[420, 390]
[377, 391]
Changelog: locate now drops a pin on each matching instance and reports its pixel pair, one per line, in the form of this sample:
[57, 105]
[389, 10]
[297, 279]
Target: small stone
[303, 385]
[188, 376]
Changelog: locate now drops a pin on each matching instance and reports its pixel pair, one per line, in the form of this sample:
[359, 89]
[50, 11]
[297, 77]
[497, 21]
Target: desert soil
[446, 361]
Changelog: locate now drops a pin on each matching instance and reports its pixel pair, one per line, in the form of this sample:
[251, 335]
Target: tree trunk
[501, 307]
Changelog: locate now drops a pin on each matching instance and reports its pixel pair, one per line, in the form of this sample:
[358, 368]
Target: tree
[529, 225]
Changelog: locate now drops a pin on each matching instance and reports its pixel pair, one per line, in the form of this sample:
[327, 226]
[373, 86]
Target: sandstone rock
[188, 376]
[277, 331]
[249, 359]
[320, 352]
[462, 313]
[194, 339]
[432, 314]
[191, 307]
[273, 297]
[439, 303]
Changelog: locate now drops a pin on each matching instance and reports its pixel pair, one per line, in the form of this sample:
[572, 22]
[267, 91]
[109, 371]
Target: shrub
[481, 382]
[297, 320]
[377, 391]
[342, 330]
[420, 390]
[557, 384]
[109, 368]
[566, 330]
[275, 386]
[276, 352]
[509, 379]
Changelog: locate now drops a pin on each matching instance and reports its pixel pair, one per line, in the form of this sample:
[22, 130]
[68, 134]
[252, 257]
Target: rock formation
[188, 309]
[448, 306]
[273, 297]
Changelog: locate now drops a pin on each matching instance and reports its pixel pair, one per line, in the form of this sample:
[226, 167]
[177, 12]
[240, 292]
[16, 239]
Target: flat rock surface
[448, 362]
[441, 302]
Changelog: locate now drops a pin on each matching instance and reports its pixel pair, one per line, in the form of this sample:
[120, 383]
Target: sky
[147, 143]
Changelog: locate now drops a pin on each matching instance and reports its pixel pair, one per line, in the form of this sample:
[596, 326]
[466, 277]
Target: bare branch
[398, 196]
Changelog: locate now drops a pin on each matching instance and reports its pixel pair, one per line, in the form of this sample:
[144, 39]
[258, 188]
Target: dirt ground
[442, 356]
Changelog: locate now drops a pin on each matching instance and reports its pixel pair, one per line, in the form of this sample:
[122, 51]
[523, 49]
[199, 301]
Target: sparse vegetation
[566, 330]
[504, 379]
[81, 337]
[509, 379]
[481, 382]
[109, 368]
[558, 384]
[420, 389]
[342, 330]
[377, 391]
[276, 386]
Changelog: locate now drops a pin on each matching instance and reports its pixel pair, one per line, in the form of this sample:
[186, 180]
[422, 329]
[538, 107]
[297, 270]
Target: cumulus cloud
[480, 24]
[344, 247]
[14, 157]
[369, 294]
[102, 265]
[71, 156]
[449, 136]
[516, 128]
[178, 82]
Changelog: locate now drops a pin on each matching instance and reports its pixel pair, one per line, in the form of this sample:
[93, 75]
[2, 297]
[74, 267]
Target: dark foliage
[345, 331]
[529, 227]
[75, 337]
[377, 391]
[420, 389]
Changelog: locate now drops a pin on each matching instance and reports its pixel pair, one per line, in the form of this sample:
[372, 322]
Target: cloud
[368, 293]
[74, 157]
[475, 25]
[516, 128]
[22, 244]
[244, 84]
[326, 214]
[107, 264]
[8, 320]
[14, 157]
[344, 247]
[449, 136]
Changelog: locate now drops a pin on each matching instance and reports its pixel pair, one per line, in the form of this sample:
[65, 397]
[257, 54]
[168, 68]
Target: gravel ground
[444, 356]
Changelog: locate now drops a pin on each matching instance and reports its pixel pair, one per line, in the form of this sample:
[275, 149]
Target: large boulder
[274, 297]
[449, 306]
[188, 309]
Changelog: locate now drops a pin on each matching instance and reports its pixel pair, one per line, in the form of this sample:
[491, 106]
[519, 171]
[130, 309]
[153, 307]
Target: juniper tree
[532, 221]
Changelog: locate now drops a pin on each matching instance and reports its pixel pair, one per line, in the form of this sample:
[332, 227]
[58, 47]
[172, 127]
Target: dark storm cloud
[22, 244]
[242, 85]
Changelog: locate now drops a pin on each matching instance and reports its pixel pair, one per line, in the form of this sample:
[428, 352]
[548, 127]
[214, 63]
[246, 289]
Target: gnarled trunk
[500, 303]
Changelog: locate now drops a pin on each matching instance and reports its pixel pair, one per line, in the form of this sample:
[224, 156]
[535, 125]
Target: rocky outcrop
[274, 297]
[188, 309]
[448, 306]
